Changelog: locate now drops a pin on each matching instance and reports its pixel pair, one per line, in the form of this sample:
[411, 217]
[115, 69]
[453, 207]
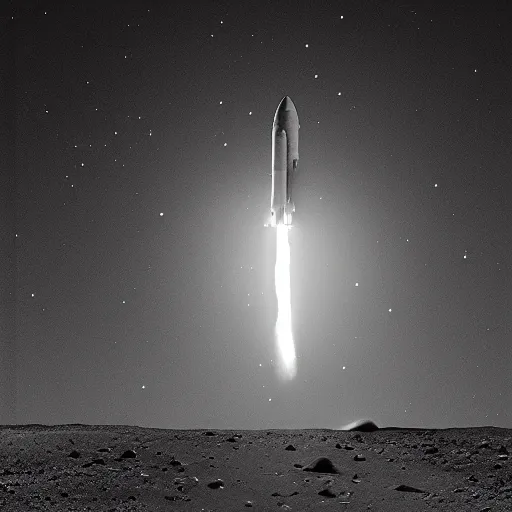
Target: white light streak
[283, 330]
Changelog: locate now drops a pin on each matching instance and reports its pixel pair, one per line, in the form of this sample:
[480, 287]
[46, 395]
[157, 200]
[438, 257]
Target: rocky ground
[120, 468]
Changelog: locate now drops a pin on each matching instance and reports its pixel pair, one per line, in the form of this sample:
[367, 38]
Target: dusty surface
[117, 468]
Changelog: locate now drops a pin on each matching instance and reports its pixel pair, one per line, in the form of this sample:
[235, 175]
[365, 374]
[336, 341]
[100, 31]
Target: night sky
[142, 156]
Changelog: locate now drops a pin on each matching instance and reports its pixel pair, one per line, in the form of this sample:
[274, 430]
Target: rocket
[285, 158]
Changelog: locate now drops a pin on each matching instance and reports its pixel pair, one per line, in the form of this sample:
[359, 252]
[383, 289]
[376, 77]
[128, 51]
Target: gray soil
[121, 468]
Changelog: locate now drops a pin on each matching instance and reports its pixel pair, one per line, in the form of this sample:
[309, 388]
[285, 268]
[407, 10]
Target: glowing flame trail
[284, 334]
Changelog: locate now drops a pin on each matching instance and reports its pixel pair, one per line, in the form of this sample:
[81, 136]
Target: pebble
[216, 484]
[321, 465]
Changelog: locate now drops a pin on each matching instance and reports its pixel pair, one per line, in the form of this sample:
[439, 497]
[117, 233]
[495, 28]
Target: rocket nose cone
[287, 105]
[285, 110]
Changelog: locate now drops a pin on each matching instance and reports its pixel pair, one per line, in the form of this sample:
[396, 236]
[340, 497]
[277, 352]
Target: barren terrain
[121, 468]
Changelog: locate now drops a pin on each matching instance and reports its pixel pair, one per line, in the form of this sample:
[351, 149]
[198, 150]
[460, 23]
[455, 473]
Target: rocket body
[285, 159]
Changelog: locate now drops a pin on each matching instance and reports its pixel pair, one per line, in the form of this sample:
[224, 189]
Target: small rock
[473, 478]
[483, 444]
[327, 493]
[359, 457]
[285, 495]
[338, 445]
[185, 484]
[407, 488]
[75, 454]
[248, 503]
[321, 465]
[356, 479]
[128, 454]
[298, 466]
[216, 484]
[104, 449]
[485, 509]
[291, 448]
[209, 433]
[231, 440]
[503, 457]
[348, 447]
[431, 450]
[175, 462]
[459, 489]
[503, 449]
[497, 466]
